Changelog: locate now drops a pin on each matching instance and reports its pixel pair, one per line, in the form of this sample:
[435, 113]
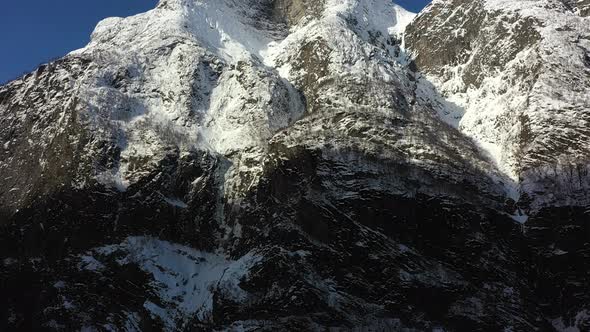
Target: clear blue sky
[35, 31]
[412, 5]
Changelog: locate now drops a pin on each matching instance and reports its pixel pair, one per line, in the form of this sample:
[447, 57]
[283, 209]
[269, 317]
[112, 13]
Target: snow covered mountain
[237, 165]
[517, 76]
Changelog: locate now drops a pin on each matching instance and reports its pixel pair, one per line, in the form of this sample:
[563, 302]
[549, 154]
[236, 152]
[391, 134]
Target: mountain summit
[298, 165]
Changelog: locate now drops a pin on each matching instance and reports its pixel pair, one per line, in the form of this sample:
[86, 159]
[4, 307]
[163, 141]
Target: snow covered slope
[231, 165]
[517, 77]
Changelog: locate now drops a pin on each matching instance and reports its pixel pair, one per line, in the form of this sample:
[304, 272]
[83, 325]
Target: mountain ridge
[314, 151]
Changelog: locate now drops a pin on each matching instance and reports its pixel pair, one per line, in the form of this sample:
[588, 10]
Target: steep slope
[515, 77]
[518, 74]
[273, 165]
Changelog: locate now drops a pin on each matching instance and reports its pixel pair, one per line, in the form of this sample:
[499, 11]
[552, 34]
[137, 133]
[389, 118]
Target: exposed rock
[286, 165]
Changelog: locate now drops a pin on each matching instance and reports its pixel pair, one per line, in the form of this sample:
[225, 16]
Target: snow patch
[176, 202]
[9, 261]
[184, 279]
[90, 263]
[520, 217]
[581, 319]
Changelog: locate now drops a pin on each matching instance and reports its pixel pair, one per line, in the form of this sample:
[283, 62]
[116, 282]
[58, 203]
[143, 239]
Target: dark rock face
[332, 197]
[386, 250]
[378, 255]
[23, 116]
[292, 11]
[468, 34]
[556, 230]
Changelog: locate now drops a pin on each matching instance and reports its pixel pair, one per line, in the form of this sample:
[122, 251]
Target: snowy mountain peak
[238, 30]
[229, 43]
[302, 165]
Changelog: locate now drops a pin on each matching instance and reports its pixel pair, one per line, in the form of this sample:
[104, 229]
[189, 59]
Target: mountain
[240, 165]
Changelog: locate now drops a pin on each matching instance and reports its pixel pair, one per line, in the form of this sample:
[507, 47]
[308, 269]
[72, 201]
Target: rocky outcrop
[283, 165]
[517, 77]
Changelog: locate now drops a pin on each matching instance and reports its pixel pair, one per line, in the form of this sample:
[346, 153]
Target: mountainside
[240, 165]
[518, 77]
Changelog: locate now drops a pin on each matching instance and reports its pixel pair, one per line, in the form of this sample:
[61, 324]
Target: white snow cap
[201, 62]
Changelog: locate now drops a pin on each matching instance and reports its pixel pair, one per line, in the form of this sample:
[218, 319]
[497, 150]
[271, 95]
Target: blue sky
[413, 5]
[35, 31]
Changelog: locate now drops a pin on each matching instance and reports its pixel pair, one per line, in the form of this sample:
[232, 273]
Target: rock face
[303, 165]
[518, 77]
